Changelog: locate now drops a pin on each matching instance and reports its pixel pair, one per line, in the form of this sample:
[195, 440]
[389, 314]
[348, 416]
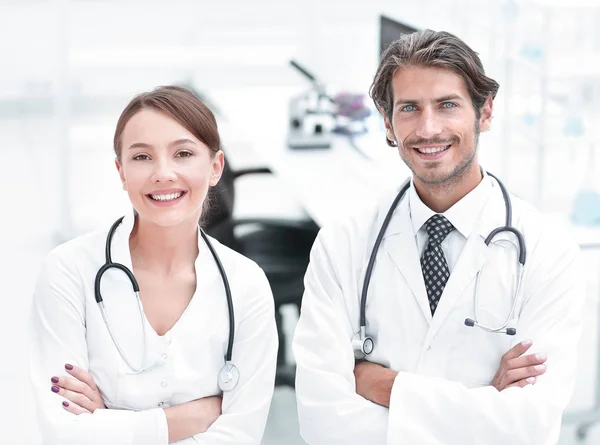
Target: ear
[121, 174]
[218, 163]
[389, 131]
[485, 120]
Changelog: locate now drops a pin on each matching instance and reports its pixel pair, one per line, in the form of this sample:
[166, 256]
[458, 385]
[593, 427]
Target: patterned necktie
[433, 263]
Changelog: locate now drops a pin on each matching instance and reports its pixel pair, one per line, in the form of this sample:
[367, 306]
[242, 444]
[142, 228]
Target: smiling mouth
[167, 197]
[429, 151]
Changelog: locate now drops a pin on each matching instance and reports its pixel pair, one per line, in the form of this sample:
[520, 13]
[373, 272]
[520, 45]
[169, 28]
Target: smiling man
[450, 312]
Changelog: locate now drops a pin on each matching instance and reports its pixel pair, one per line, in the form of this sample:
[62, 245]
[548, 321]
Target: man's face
[434, 124]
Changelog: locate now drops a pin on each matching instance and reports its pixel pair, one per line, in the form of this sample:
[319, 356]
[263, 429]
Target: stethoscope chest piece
[362, 343]
[229, 376]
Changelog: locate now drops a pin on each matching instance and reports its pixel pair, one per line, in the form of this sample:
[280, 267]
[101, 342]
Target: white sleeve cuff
[151, 428]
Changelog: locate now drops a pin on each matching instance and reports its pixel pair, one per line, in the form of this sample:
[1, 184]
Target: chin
[168, 219]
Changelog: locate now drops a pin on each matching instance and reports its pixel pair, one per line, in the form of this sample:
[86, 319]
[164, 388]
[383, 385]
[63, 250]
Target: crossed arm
[83, 397]
[375, 382]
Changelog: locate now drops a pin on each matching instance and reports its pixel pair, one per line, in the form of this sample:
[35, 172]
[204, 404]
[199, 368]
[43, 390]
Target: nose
[164, 171]
[429, 125]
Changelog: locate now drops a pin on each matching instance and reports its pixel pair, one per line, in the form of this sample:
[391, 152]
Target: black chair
[280, 247]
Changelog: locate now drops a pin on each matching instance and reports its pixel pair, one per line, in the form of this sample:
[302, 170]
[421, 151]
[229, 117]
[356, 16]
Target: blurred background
[303, 141]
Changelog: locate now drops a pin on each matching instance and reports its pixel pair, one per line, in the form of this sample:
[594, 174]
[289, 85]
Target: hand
[374, 382]
[517, 369]
[81, 391]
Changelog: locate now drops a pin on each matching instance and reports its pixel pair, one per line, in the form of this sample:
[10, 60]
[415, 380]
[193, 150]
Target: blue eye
[141, 157]
[408, 108]
[448, 105]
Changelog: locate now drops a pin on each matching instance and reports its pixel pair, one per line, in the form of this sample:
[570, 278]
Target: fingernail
[65, 404]
[540, 356]
[54, 379]
[530, 380]
[540, 367]
[69, 367]
[55, 389]
[526, 343]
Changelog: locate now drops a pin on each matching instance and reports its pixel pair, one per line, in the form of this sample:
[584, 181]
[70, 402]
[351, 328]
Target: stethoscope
[365, 344]
[229, 374]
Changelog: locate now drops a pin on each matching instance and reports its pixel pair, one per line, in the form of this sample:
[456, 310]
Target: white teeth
[169, 197]
[431, 150]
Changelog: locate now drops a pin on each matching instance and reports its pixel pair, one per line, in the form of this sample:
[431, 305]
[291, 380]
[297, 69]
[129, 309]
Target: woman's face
[165, 170]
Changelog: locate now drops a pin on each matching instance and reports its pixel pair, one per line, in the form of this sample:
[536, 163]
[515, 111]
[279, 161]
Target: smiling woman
[164, 133]
[111, 364]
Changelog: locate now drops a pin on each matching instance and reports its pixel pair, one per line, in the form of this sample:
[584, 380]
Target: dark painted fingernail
[69, 367]
[55, 389]
[54, 379]
[65, 404]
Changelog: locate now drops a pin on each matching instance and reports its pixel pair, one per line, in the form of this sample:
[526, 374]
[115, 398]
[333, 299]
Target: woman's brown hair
[179, 103]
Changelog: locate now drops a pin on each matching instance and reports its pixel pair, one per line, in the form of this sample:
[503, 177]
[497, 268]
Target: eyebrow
[149, 146]
[438, 100]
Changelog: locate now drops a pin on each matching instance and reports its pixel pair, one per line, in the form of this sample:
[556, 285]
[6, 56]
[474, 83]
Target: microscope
[310, 116]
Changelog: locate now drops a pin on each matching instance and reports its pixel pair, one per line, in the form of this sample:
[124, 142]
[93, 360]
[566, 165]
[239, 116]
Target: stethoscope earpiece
[501, 330]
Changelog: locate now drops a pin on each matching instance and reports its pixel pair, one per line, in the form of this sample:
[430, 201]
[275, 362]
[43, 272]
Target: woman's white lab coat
[441, 395]
[67, 327]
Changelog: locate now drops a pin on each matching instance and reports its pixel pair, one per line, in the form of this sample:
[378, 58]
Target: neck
[163, 250]
[440, 197]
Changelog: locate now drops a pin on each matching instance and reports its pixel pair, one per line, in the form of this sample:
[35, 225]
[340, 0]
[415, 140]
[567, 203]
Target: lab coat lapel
[472, 259]
[401, 246]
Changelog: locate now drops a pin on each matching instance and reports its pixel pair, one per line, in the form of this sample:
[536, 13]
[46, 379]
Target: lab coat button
[163, 384]
[164, 356]
[161, 403]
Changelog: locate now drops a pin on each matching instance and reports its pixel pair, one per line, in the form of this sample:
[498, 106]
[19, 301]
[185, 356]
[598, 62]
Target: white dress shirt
[183, 364]
[463, 215]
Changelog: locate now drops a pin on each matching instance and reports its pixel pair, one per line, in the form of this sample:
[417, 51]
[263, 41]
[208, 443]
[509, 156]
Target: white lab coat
[441, 395]
[67, 327]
